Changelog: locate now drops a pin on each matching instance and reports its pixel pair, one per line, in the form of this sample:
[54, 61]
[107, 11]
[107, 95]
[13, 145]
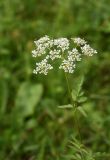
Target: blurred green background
[32, 127]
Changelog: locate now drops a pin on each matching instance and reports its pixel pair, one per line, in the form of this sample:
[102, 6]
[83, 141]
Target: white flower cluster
[60, 49]
[62, 43]
[87, 50]
[41, 45]
[74, 55]
[79, 41]
[53, 54]
[67, 66]
[42, 67]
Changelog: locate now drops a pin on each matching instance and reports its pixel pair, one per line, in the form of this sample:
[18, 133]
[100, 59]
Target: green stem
[76, 120]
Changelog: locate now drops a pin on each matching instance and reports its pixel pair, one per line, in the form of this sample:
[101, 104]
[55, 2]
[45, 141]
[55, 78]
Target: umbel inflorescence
[62, 49]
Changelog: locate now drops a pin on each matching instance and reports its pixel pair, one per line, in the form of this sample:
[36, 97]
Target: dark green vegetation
[32, 127]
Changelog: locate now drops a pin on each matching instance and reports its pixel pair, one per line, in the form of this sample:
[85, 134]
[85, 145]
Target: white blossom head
[42, 67]
[74, 55]
[41, 45]
[53, 54]
[62, 43]
[67, 66]
[60, 48]
[87, 50]
[79, 41]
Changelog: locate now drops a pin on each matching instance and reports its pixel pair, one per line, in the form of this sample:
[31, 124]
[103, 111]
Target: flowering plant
[69, 52]
[61, 48]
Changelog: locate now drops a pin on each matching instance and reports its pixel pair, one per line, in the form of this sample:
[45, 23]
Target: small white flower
[79, 41]
[87, 50]
[42, 67]
[34, 53]
[67, 66]
[47, 57]
[74, 55]
[54, 54]
[62, 43]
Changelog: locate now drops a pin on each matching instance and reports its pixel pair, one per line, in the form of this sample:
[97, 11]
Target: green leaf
[81, 110]
[82, 99]
[27, 98]
[66, 106]
[78, 82]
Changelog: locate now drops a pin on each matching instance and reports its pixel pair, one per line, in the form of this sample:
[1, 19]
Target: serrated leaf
[27, 98]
